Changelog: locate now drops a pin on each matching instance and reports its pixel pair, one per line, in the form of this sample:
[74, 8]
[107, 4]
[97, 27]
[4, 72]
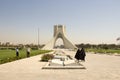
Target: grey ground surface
[98, 67]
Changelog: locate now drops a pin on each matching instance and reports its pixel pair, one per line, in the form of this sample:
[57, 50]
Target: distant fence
[13, 48]
[5, 48]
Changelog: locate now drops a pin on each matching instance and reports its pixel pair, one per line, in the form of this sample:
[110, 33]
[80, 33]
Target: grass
[107, 51]
[10, 55]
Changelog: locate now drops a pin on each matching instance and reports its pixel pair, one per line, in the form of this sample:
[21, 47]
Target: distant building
[7, 43]
[21, 45]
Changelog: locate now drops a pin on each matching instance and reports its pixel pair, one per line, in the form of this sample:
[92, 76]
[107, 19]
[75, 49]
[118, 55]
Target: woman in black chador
[80, 54]
[83, 54]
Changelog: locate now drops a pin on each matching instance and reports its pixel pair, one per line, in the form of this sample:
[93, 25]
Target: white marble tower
[59, 32]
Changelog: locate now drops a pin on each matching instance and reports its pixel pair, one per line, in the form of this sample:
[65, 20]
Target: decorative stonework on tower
[59, 32]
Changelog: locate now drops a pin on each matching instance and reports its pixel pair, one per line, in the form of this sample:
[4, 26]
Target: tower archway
[59, 43]
[59, 32]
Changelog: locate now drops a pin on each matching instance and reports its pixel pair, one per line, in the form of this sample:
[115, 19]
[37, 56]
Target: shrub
[47, 57]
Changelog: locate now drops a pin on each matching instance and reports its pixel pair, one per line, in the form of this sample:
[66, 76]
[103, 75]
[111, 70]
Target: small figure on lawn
[17, 52]
[28, 52]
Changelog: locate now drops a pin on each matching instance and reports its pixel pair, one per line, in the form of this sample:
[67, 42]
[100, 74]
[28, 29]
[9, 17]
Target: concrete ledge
[63, 67]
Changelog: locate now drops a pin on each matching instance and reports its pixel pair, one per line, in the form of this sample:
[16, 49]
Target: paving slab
[98, 67]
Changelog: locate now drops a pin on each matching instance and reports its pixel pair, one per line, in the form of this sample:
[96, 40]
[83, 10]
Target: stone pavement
[99, 67]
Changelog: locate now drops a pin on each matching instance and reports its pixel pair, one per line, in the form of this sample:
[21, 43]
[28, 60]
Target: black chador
[80, 54]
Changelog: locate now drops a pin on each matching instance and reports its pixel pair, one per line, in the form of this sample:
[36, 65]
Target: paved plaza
[98, 67]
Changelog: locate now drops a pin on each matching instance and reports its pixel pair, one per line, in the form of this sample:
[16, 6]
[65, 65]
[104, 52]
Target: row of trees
[95, 46]
[99, 46]
[20, 46]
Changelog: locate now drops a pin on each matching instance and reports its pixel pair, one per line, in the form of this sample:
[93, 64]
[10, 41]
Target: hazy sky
[87, 21]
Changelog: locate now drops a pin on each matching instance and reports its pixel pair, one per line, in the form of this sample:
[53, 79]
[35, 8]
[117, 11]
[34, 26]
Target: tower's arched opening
[60, 36]
[59, 43]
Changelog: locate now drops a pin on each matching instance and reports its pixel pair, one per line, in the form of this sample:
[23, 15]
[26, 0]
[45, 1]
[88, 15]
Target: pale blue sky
[87, 21]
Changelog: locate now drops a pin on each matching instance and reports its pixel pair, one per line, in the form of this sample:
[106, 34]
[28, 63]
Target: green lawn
[10, 55]
[107, 51]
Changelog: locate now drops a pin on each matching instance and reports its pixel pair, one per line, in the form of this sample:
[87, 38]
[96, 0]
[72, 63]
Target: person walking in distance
[28, 52]
[17, 52]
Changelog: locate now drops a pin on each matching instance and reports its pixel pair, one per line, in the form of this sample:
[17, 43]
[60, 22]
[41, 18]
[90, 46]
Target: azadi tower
[59, 32]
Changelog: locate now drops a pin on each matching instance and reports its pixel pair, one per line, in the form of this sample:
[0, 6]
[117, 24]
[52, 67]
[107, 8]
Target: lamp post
[38, 38]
